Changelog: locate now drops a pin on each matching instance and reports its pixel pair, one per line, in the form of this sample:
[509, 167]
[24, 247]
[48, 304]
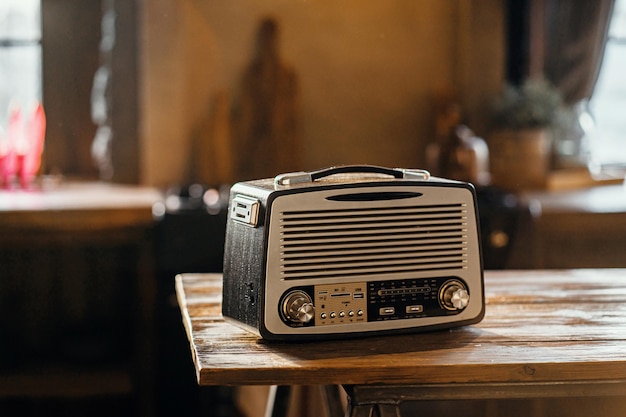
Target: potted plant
[520, 143]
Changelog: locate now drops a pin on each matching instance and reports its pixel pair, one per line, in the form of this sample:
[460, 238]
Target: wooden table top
[71, 206]
[552, 326]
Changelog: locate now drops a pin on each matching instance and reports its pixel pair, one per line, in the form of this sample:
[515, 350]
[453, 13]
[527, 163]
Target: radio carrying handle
[304, 177]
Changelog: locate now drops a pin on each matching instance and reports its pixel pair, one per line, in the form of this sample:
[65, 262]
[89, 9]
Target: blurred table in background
[77, 292]
[581, 228]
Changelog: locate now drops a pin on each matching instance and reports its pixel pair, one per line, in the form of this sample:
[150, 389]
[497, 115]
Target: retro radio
[352, 250]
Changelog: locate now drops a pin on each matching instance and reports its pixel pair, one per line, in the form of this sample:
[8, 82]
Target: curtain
[575, 33]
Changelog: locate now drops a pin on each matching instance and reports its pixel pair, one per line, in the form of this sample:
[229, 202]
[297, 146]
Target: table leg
[331, 401]
[373, 410]
[278, 401]
[389, 410]
[368, 404]
[279, 397]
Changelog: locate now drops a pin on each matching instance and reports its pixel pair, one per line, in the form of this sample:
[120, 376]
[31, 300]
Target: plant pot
[520, 159]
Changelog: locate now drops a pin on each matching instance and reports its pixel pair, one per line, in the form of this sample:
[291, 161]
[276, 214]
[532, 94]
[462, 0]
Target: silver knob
[454, 296]
[298, 307]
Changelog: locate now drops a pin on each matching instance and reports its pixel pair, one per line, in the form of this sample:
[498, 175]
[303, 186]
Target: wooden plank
[547, 326]
[475, 391]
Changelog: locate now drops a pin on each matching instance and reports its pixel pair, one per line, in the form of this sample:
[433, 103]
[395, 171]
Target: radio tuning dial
[454, 296]
[298, 307]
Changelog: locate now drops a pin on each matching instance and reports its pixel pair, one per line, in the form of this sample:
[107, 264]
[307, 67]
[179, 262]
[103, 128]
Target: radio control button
[342, 314]
[454, 296]
[306, 312]
[351, 313]
[359, 313]
[323, 316]
[460, 299]
[298, 307]
[333, 315]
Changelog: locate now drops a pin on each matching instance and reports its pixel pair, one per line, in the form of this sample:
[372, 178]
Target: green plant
[534, 104]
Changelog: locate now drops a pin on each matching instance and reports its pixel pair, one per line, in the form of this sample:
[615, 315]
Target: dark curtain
[561, 40]
[575, 36]
[518, 42]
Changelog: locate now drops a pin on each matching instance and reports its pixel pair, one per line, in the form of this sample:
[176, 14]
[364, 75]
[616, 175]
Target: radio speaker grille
[371, 241]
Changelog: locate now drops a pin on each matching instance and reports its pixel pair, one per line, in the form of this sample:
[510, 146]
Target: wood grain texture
[563, 327]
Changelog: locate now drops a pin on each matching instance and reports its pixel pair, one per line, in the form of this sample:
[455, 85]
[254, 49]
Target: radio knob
[298, 307]
[454, 296]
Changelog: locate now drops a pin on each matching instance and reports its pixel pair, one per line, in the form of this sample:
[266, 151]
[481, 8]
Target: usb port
[245, 210]
[358, 295]
[414, 309]
[386, 311]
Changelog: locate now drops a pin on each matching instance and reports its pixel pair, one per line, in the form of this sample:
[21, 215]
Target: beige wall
[367, 74]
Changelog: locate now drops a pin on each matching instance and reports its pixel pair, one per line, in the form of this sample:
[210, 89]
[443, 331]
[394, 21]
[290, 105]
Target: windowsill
[599, 199]
[572, 179]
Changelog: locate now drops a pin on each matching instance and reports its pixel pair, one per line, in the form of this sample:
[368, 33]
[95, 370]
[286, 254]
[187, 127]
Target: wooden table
[81, 208]
[546, 334]
[49, 226]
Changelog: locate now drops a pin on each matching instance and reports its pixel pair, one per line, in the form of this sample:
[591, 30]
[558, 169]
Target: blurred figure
[265, 120]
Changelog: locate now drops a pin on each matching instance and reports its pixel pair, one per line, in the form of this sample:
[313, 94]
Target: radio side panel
[244, 263]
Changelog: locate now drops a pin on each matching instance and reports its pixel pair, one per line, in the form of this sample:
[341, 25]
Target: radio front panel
[361, 259]
[375, 301]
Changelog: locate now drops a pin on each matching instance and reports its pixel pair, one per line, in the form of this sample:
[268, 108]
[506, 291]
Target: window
[20, 55]
[608, 104]
[49, 51]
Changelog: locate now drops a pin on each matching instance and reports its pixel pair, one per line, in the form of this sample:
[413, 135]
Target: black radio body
[351, 251]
